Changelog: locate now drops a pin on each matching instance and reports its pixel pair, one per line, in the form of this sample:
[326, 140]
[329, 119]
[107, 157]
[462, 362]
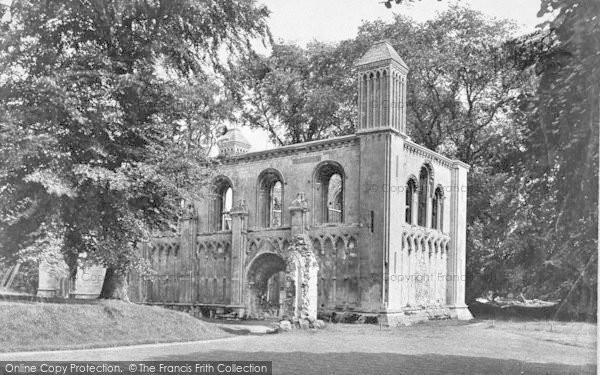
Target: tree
[297, 94]
[562, 156]
[96, 151]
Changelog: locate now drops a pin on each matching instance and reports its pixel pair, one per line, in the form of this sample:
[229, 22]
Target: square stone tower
[412, 199]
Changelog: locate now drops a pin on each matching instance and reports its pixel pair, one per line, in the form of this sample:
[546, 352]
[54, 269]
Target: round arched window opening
[329, 194]
[270, 199]
[221, 218]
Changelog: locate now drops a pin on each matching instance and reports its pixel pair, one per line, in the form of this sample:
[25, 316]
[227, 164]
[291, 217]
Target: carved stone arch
[405, 244]
[219, 181]
[412, 244]
[340, 244]
[209, 249]
[431, 172]
[431, 241]
[436, 245]
[333, 240]
[322, 239]
[419, 243]
[300, 267]
[328, 246]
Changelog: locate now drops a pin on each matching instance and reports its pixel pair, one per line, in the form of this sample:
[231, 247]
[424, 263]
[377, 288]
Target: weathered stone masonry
[370, 222]
[382, 218]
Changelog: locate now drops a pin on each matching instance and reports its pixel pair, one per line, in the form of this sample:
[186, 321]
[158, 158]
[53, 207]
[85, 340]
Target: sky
[332, 20]
[302, 21]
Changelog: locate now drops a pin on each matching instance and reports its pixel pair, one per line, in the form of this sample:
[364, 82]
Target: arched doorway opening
[268, 288]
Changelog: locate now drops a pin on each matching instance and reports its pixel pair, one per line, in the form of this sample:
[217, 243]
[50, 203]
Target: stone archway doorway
[283, 284]
[267, 287]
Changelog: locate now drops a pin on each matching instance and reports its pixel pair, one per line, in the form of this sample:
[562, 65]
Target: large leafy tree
[461, 80]
[297, 94]
[533, 204]
[97, 148]
[561, 157]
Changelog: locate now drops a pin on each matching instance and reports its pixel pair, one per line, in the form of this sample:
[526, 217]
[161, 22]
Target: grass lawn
[47, 326]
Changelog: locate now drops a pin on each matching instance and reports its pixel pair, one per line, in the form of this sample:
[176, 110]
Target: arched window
[270, 199]
[329, 193]
[437, 209]
[411, 188]
[424, 192]
[221, 219]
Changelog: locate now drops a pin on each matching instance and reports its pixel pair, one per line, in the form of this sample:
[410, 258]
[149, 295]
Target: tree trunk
[115, 286]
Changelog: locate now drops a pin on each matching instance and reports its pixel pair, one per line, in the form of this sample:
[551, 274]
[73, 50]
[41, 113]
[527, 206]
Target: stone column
[405, 271]
[428, 207]
[455, 287]
[187, 242]
[239, 216]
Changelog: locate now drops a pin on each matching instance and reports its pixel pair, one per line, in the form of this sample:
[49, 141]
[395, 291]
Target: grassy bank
[47, 326]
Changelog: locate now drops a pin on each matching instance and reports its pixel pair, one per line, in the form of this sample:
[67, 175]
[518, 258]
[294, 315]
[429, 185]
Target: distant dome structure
[233, 142]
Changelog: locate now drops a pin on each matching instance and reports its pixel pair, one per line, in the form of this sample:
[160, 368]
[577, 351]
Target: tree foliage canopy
[99, 135]
[297, 94]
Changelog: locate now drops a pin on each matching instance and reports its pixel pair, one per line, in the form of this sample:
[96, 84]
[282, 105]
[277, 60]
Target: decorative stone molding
[424, 152]
[284, 151]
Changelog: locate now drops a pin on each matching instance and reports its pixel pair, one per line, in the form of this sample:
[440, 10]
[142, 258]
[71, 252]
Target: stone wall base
[46, 293]
[409, 316]
[460, 312]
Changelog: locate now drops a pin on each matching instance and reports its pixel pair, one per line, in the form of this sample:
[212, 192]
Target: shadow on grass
[383, 363]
